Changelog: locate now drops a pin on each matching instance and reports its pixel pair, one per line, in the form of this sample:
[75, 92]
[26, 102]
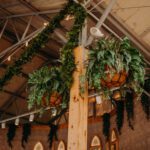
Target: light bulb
[26, 44]
[17, 121]
[31, 118]
[69, 17]
[54, 112]
[9, 58]
[3, 125]
[98, 99]
[45, 23]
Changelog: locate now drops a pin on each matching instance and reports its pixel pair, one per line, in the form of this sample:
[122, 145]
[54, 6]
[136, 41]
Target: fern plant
[45, 81]
[119, 56]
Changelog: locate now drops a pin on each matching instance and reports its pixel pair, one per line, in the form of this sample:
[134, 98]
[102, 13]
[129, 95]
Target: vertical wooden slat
[78, 110]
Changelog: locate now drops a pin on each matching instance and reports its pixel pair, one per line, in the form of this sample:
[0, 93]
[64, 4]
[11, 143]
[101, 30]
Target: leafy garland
[59, 79]
[39, 41]
[106, 125]
[11, 134]
[52, 134]
[145, 100]
[26, 132]
[120, 115]
[129, 102]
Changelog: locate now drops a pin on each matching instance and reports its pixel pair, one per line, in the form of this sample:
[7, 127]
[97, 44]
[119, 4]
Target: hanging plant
[26, 132]
[45, 82]
[46, 87]
[52, 134]
[11, 134]
[106, 125]
[120, 114]
[113, 64]
[145, 99]
[129, 102]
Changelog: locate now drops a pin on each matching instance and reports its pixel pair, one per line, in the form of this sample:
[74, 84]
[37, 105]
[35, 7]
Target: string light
[53, 112]
[31, 118]
[98, 99]
[45, 24]
[17, 121]
[27, 43]
[9, 58]
[69, 17]
[3, 125]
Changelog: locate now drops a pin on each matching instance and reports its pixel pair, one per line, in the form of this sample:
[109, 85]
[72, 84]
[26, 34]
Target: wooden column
[78, 109]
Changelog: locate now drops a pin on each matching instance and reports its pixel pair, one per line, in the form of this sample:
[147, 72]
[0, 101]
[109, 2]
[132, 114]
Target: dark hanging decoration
[106, 125]
[26, 132]
[52, 134]
[11, 134]
[120, 114]
[129, 102]
[145, 99]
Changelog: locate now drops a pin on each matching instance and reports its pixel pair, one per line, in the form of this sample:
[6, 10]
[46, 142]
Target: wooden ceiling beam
[14, 94]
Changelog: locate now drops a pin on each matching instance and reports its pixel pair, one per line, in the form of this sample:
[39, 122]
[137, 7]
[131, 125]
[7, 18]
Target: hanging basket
[55, 100]
[114, 78]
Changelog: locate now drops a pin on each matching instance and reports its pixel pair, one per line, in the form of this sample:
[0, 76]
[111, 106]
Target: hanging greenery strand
[106, 125]
[129, 102]
[59, 79]
[145, 100]
[52, 134]
[26, 132]
[39, 41]
[120, 114]
[11, 134]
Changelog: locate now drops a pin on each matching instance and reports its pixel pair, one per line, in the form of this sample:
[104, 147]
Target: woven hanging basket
[55, 100]
[116, 79]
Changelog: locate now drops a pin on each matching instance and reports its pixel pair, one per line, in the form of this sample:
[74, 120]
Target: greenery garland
[26, 132]
[106, 125]
[129, 102]
[59, 79]
[120, 114]
[39, 41]
[145, 99]
[11, 134]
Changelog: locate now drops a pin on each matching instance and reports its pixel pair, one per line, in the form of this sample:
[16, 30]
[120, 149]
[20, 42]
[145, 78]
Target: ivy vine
[39, 41]
[59, 79]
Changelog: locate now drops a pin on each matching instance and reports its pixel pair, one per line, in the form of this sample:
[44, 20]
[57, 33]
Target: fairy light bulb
[17, 121]
[9, 58]
[31, 118]
[3, 125]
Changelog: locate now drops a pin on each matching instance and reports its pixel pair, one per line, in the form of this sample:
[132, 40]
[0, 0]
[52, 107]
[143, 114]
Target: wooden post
[78, 110]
